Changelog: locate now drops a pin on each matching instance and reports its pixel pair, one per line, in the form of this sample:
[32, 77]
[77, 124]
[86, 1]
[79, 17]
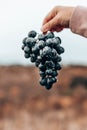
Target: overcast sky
[18, 17]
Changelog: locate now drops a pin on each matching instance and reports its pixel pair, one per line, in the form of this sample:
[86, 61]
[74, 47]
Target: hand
[57, 19]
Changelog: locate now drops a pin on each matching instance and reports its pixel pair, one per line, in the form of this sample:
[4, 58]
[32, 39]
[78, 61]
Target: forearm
[78, 21]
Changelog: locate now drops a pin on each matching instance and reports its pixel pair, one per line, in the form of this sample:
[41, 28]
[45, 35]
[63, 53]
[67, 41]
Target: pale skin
[57, 19]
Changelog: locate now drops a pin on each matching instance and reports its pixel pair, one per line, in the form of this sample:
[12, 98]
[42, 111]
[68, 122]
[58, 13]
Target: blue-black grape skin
[41, 67]
[49, 42]
[30, 41]
[35, 49]
[42, 74]
[33, 58]
[50, 80]
[32, 34]
[49, 35]
[48, 86]
[41, 44]
[24, 41]
[26, 55]
[49, 71]
[54, 73]
[23, 47]
[58, 66]
[61, 50]
[41, 37]
[58, 40]
[44, 50]
[49, 64]
[37, 62]
[43, 81]
[26, 49]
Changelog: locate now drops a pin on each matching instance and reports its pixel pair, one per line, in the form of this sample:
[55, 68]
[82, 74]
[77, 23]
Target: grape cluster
[44, 50]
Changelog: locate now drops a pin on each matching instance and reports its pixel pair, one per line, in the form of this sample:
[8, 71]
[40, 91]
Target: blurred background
[24, 104]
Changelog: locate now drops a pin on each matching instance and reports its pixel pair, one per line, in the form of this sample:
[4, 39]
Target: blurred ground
[25, 105]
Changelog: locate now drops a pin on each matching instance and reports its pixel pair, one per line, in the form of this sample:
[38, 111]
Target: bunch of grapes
[44, 50]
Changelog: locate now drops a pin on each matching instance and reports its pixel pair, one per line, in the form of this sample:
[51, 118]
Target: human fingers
[57, 29]
[49, 16]
[51, 24]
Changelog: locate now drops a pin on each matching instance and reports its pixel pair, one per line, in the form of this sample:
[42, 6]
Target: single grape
[54, 79]
[41, 67]
[54, 73]
[49, 80]
[42, 74]
[30, 41]
[35, 49]
[26, 49]
[43, 81]
[32, 34]
[58, 40]
[59, 50]
[23, 46]
[47, 53]
[33, 58]
[57, 58]
[48, 86]
[24, 41]
[58, 66]
[41, 37]
[49, 42]
[37, 62]
[39, 58]
[26, 55]
[41, 44]
[50, 35]
[55, 43]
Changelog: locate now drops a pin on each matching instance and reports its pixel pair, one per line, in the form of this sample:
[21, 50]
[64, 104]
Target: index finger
[49, 16]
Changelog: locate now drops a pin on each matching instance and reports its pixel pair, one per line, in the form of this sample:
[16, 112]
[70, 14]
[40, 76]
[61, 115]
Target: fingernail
[44, 29]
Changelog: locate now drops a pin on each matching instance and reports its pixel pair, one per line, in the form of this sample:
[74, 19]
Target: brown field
[25, 105]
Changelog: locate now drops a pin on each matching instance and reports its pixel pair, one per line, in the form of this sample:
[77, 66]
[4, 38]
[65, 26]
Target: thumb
[51, 24]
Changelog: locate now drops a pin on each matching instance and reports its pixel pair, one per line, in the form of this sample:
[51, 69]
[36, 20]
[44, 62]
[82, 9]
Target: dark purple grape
[37, 62]
[58, 40]
[42, 74]
[54, 73]
[41, 37]
[41, 44]
[35, 49]
[48, 86]
[49, 71]
[33, 58]
[49, 42]
[26, 55]
[58, 66]
[26, 49]
[30, 41]
[23, 47]
[50, 35]
[59, 50]
[24, 41]
[41, 67]
[54, 79]
[43, 81]
[49, 64]
[57, 58]
[32, 34]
